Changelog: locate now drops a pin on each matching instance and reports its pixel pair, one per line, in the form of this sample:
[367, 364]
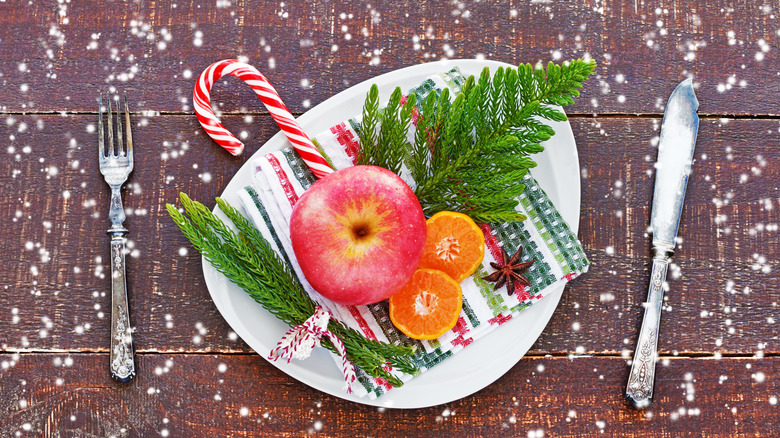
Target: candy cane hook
[270, 98]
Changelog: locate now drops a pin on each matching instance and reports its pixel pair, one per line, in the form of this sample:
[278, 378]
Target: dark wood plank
[53, 248]
[243, 395]
[57, 58]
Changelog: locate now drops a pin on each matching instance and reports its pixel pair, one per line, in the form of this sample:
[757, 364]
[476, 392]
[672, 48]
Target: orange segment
[427, 306]
[455, 245]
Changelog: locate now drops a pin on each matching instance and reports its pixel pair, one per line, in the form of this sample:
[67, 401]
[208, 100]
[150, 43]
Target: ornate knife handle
[640, 381]
[122, 361]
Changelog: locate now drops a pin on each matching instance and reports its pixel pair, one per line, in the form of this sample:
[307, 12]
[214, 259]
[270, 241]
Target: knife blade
[675, 156]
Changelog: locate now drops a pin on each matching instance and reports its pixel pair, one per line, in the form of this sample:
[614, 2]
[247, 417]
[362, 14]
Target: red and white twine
[270, 98]
[299, 342]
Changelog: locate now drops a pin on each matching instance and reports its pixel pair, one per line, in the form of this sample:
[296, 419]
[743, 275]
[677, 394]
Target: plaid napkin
[282, 177]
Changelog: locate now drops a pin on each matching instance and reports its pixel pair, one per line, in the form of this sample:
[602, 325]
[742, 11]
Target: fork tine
[129, 131]
[110, 129]
[119, 141]
[101, 141]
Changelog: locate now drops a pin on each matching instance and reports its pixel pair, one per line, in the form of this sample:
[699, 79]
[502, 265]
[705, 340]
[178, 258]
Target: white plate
[475, 367]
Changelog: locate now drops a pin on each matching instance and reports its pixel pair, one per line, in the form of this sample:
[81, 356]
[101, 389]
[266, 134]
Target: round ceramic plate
[476, 366]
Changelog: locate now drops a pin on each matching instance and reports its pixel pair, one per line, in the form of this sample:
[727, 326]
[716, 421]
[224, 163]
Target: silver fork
[116, 163]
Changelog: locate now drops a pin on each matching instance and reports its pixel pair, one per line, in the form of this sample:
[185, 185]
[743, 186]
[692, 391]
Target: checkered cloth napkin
[282, 177]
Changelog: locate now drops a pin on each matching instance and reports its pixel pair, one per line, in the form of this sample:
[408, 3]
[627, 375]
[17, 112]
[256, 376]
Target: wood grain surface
[720, 343]
[313, 49]
[242, 395]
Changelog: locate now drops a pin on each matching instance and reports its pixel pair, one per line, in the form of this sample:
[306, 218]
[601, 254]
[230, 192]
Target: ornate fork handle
[122, 361]
[640, 381]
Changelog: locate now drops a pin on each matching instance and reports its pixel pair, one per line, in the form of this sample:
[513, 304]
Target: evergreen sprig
[387, 147]
[247, 260]
[469, 154]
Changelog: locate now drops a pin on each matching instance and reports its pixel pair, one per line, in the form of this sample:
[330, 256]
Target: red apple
[358, 234]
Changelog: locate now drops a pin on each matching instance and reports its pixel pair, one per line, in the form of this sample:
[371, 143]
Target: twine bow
[300, 340]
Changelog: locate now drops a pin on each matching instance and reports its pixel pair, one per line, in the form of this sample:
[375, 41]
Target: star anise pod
[510, 272]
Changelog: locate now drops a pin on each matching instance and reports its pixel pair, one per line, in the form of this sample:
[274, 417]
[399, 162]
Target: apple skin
[358, 234]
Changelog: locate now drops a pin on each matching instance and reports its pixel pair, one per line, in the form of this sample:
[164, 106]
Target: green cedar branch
[248, 260]
[470, 153]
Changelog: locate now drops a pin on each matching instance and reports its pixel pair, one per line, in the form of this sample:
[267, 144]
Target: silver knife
[675, 155]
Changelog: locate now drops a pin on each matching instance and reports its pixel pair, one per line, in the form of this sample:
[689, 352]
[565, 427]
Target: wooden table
[719, 347]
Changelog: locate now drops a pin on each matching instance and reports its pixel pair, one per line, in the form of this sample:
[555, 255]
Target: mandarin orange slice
[455, 245]
[427, 306]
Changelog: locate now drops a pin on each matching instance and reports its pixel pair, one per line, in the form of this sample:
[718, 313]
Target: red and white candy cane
[268, 95]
